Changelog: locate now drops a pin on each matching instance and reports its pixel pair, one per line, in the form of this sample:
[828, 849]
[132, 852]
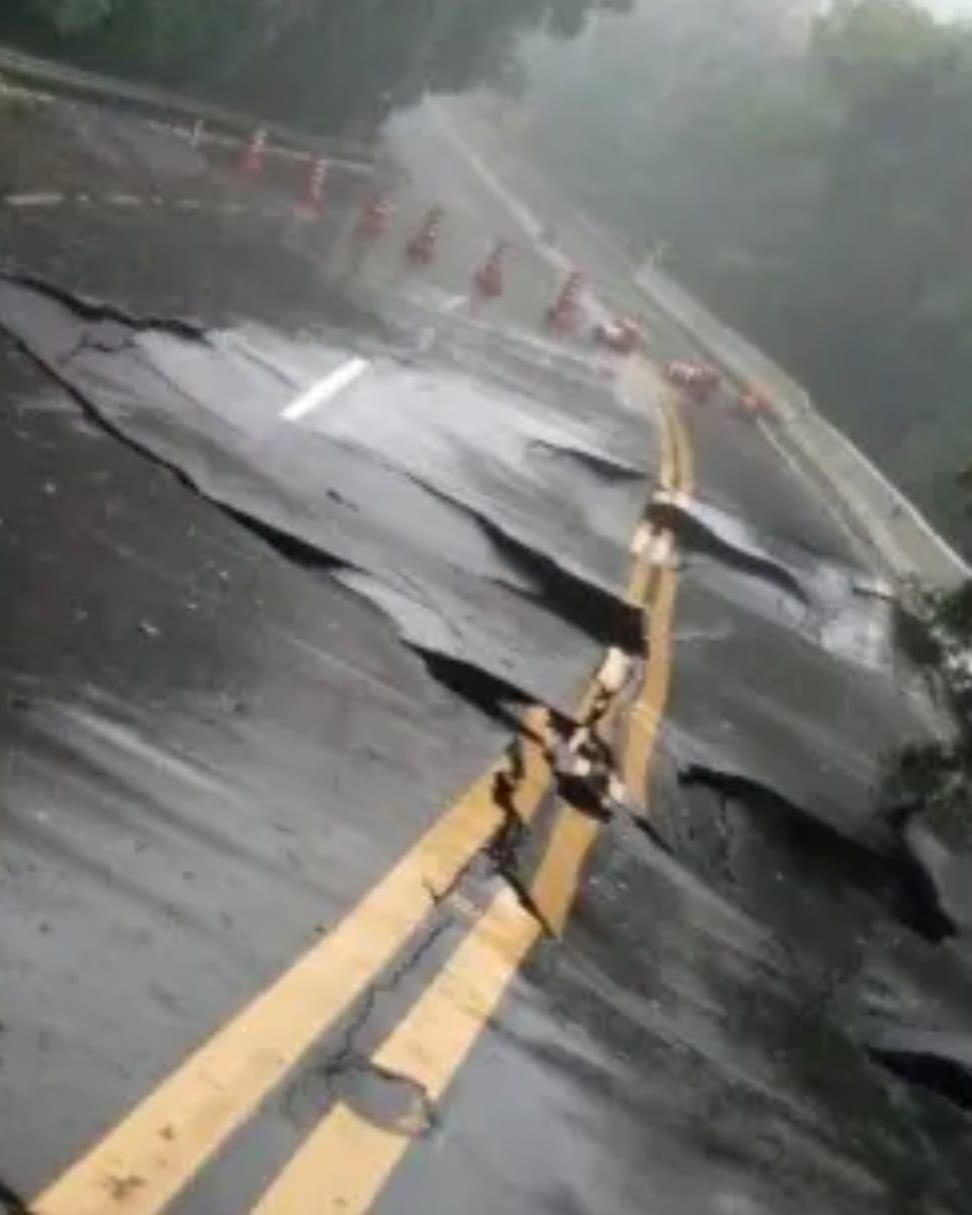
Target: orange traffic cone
[421, 248]
[488, 279]
[254, 154]
[313, 204]
[374, 217]
[564, 314]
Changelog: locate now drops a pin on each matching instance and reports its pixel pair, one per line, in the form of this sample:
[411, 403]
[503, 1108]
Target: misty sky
[950, 8]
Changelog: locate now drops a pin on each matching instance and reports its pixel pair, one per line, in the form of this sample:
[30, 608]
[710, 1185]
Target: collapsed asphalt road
[340, 872]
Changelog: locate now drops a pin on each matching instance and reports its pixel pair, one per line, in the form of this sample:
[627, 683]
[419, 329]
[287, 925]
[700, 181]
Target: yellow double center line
[677, 476]
[148, 1158]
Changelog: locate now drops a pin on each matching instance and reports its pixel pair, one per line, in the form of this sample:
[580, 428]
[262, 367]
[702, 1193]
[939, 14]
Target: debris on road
[378, 744]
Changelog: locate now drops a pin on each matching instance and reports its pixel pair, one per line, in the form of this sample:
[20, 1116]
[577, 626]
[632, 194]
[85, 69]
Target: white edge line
[325, 390]
[49, 199]
[901, 500]
[591, 305]
[819, 495]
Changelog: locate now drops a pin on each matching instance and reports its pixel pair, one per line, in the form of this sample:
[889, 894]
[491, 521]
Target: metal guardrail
[150, 102]
[907, 544]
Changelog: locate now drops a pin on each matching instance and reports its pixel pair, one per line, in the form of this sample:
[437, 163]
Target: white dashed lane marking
[325, 390]
[39, 199]
[46, 199]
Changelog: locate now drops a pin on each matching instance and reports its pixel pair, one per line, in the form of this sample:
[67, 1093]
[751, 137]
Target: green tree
[323, 63]
[815, 187]
[74, 16]
[863, 46]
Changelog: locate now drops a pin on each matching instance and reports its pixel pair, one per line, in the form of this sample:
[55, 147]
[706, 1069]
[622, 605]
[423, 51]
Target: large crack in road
[253, 662]
[91, 350]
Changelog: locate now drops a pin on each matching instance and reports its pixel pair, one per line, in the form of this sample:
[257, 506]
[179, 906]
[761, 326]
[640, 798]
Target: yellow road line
[639, 584]
[637, 377]
[681, 447]
[668, 473]
[140, 1165]
[558, 877]
[347, 1160]
[649, 710]
[575, 833]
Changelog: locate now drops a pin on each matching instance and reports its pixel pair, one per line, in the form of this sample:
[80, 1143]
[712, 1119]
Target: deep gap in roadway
[97, 310]
[605, 617]
[918, 1063]
[498, 699]
[696, 535]
[895, 875]
[600, 613]
[11, 1203]
[496, 695]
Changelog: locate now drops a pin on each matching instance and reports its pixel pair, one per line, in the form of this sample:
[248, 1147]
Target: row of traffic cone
[421, 249]
[252, 161]
[563, 316]
[374, 218]
[489, 279]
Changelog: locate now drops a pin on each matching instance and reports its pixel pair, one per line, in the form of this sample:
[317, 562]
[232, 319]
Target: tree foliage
[321, 63]
[74, 16]
[813, 176]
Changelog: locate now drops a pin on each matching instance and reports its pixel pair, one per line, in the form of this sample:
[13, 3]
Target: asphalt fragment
[702, 529]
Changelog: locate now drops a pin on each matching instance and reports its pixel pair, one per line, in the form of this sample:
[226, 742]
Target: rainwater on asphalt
[247, 660]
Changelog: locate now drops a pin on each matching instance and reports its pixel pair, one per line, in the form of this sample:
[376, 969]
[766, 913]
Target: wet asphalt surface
[248, 660]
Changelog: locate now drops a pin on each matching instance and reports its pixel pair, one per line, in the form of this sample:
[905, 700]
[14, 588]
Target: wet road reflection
[306, 758]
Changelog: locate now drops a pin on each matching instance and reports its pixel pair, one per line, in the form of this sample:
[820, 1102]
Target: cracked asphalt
[440, 766]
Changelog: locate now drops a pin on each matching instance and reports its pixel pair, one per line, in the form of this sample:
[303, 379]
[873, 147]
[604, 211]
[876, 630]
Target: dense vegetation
[813, 176]
[320, 63]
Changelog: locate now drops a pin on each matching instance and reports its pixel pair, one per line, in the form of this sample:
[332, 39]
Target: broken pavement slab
[203, 721]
